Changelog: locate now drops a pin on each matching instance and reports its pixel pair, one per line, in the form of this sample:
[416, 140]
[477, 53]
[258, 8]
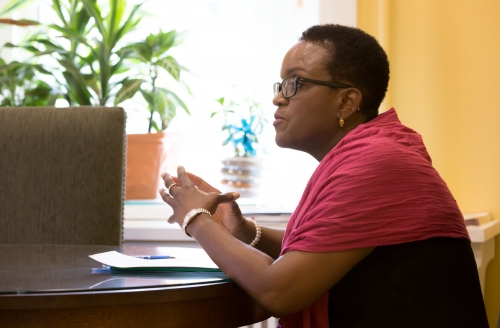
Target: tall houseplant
[94, 64]
[80, 48]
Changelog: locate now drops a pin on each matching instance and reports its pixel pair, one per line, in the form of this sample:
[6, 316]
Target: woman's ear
[351, 100]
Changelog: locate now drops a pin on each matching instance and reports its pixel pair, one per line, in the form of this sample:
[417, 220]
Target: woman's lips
[278, 119]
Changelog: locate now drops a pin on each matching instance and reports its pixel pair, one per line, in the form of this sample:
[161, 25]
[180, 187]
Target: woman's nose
[279, 99]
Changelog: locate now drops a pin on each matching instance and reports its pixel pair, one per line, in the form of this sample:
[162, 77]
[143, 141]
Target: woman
[377, 239]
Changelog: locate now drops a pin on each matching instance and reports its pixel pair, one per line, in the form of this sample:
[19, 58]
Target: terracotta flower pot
[146, 159]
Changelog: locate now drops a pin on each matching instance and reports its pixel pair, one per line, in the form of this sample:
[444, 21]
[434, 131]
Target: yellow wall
[445, 83]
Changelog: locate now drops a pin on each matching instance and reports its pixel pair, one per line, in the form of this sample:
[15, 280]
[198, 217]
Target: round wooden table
[53, 286]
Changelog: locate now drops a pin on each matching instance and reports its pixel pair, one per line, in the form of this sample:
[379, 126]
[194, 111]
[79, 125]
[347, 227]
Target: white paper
[184, 258]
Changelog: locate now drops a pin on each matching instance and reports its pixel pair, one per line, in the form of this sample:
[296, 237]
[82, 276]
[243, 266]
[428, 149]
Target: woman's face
[309, 120]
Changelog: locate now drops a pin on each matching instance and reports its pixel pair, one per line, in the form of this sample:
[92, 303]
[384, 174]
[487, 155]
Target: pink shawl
[376, 187]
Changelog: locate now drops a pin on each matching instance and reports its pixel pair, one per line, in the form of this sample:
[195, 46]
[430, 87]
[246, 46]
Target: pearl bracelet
[191, 215]
[258, 232]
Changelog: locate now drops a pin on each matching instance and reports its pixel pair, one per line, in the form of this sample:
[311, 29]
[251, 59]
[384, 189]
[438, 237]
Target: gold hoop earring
[341, 122]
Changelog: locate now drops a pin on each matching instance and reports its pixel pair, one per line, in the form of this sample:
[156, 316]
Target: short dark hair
[357, 59]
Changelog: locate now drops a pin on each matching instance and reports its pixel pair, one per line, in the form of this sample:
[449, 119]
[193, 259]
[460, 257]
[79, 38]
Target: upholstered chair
[62, 175]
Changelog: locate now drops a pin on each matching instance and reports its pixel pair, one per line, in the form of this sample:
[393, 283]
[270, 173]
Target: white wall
[339, 12]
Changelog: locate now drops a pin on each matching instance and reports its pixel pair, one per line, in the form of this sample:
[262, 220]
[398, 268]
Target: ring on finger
[170, 187]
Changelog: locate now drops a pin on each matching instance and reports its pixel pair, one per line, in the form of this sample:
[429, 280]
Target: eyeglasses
[289, 85]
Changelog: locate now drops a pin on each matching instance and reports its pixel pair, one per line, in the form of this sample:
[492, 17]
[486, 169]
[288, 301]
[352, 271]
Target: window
[236, 46]
[233, 46]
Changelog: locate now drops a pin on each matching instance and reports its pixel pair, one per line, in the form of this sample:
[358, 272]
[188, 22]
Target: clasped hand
[190, 191]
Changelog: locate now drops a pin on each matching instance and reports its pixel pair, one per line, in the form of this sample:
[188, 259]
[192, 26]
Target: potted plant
[20, 87]
[146, 153]
[19, 82]
[80, 48]
[91, 63]
[242, 123]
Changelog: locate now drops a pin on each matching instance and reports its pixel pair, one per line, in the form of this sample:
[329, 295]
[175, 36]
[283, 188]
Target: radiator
[269, 323]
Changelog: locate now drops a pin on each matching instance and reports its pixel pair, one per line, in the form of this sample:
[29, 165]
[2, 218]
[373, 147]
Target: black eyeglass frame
[277, 86]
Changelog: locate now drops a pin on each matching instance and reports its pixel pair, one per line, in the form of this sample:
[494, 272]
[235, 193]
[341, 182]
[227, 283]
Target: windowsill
[147, 220]
[483, 233]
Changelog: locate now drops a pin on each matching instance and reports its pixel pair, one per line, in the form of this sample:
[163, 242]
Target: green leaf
[129, 24]
[161, 103]
[178, 100]
[148, 97]
[69, 33]
[105, 73]
[170, 114]
[14, 5]
[171, 65]
[119, 67]
[141, 50]
[114, 17]
[164, 41]
[128, 90]
[76, 81]
[56, 5]
[82, 19]
[78, 92]
[32, 49]
[49, 44]
[95, 13]
[180, 38]
[155, 126]
[42, 70]
[91, 82]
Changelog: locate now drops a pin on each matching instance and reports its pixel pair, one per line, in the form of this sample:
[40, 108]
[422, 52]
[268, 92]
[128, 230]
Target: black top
[428, 283]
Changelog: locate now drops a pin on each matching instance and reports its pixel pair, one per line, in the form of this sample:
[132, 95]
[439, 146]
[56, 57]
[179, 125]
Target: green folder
[165, 269]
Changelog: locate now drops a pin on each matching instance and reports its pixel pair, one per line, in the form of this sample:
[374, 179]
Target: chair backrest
[62, 173]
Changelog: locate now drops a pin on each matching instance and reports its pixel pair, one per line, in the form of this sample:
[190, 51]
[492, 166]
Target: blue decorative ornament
[243, 132]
